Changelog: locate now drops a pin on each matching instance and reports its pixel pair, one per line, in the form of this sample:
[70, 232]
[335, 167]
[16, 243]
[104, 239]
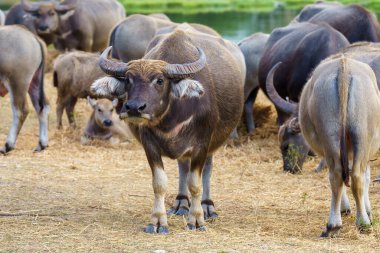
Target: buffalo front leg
[207, 203]
[182, 203]
[248, 111]
[70, 104]
[159, 221]
[194, 183]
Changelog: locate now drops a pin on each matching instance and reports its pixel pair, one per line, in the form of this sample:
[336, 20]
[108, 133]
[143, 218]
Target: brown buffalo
[74, 72]
[76, 24]
[184, 99]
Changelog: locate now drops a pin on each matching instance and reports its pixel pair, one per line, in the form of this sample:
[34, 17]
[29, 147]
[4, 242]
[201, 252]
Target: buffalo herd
[181, 89]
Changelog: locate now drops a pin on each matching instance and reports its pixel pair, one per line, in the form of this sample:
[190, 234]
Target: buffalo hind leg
[181, 205]
[335, 219]
[207, 203]
[359, 189]
[194, 183]
[20, 112]
[366, 192]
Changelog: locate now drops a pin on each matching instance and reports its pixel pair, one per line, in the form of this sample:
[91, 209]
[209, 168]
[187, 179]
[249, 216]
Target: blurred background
[234, 19]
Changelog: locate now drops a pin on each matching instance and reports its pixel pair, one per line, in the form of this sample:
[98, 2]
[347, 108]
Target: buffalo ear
[108, 86]
[187, 88]
[115, 102]
[91, 101]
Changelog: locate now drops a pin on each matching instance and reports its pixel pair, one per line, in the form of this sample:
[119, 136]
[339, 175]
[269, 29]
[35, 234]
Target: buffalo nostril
[43, 28]
[127, 107]
[107, 123]
[141, 108]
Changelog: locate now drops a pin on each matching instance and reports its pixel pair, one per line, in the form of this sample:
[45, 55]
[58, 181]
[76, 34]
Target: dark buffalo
[184, 99]
[300, 47]
[76, 24]
[130, 38]
[353, 21]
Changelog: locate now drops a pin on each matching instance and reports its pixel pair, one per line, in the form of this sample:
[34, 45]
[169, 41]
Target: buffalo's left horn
[63, 7]
[112, 68]
[183, 70]
[28, 7]
[277, 100]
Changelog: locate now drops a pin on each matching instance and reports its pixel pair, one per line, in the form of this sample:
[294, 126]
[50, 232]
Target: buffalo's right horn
[186, 69]
[28, 7]
[112, 68]
[277, 100]
[64, 7]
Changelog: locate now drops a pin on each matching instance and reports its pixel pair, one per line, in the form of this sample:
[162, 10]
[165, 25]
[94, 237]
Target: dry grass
[98, 198]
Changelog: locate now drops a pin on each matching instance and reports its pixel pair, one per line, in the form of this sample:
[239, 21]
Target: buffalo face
[103, 109]
[148, 86]
[293, 146]
[46, 15]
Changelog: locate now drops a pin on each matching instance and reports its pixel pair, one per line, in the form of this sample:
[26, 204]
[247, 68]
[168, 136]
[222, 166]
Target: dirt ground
[98, 198]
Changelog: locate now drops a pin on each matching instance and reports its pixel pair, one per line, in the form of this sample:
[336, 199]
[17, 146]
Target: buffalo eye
[36, 14]
[99, 110]
[160, 81]
[111, 110]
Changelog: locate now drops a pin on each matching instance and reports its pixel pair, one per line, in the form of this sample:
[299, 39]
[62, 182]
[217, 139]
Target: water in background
[236, 26]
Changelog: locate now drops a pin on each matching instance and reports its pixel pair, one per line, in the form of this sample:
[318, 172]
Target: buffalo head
[148, 85]
[294, 148]
[103, 109]
[46, 14]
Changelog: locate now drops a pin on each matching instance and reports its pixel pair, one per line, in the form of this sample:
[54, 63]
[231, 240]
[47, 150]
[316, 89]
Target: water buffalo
[339, 115]
[300, 46]
[130, 38]
[184, 99]
[73, 74]
[252, 49]
[103, 123]
[363, 24]
[21, 71]
[76, 24]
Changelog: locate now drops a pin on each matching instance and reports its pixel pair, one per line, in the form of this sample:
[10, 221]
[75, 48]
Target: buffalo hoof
[365, 228]
[180, 207]
[40, 147]
[209, 210]
[192, 227]
[4, 150]
[346, 212]
[152, 229]
[331, 231]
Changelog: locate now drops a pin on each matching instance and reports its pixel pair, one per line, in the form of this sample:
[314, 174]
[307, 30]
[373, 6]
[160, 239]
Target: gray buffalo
[22, 62]
[73, 74]
[252, 49]
[130, 38]
[184, 99]
[339, 116]
[76, 24]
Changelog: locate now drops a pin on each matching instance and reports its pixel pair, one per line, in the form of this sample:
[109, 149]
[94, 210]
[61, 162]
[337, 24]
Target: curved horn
[28, 7]
[176, 70]
[112, 68]
[64, 7]
[277, 100]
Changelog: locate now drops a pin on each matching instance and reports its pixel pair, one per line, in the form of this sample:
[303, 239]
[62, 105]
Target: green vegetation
[204, 6]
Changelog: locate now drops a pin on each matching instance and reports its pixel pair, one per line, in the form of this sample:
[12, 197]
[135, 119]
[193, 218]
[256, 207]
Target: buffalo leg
[61, 104]
[71, 102]
[20, 112]
[335, 219]
[194, 183]
[358, 190]
[248, 110]
[182, 203]
[159, 221]
[207, 203]
[366, 191]
[345, 204]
